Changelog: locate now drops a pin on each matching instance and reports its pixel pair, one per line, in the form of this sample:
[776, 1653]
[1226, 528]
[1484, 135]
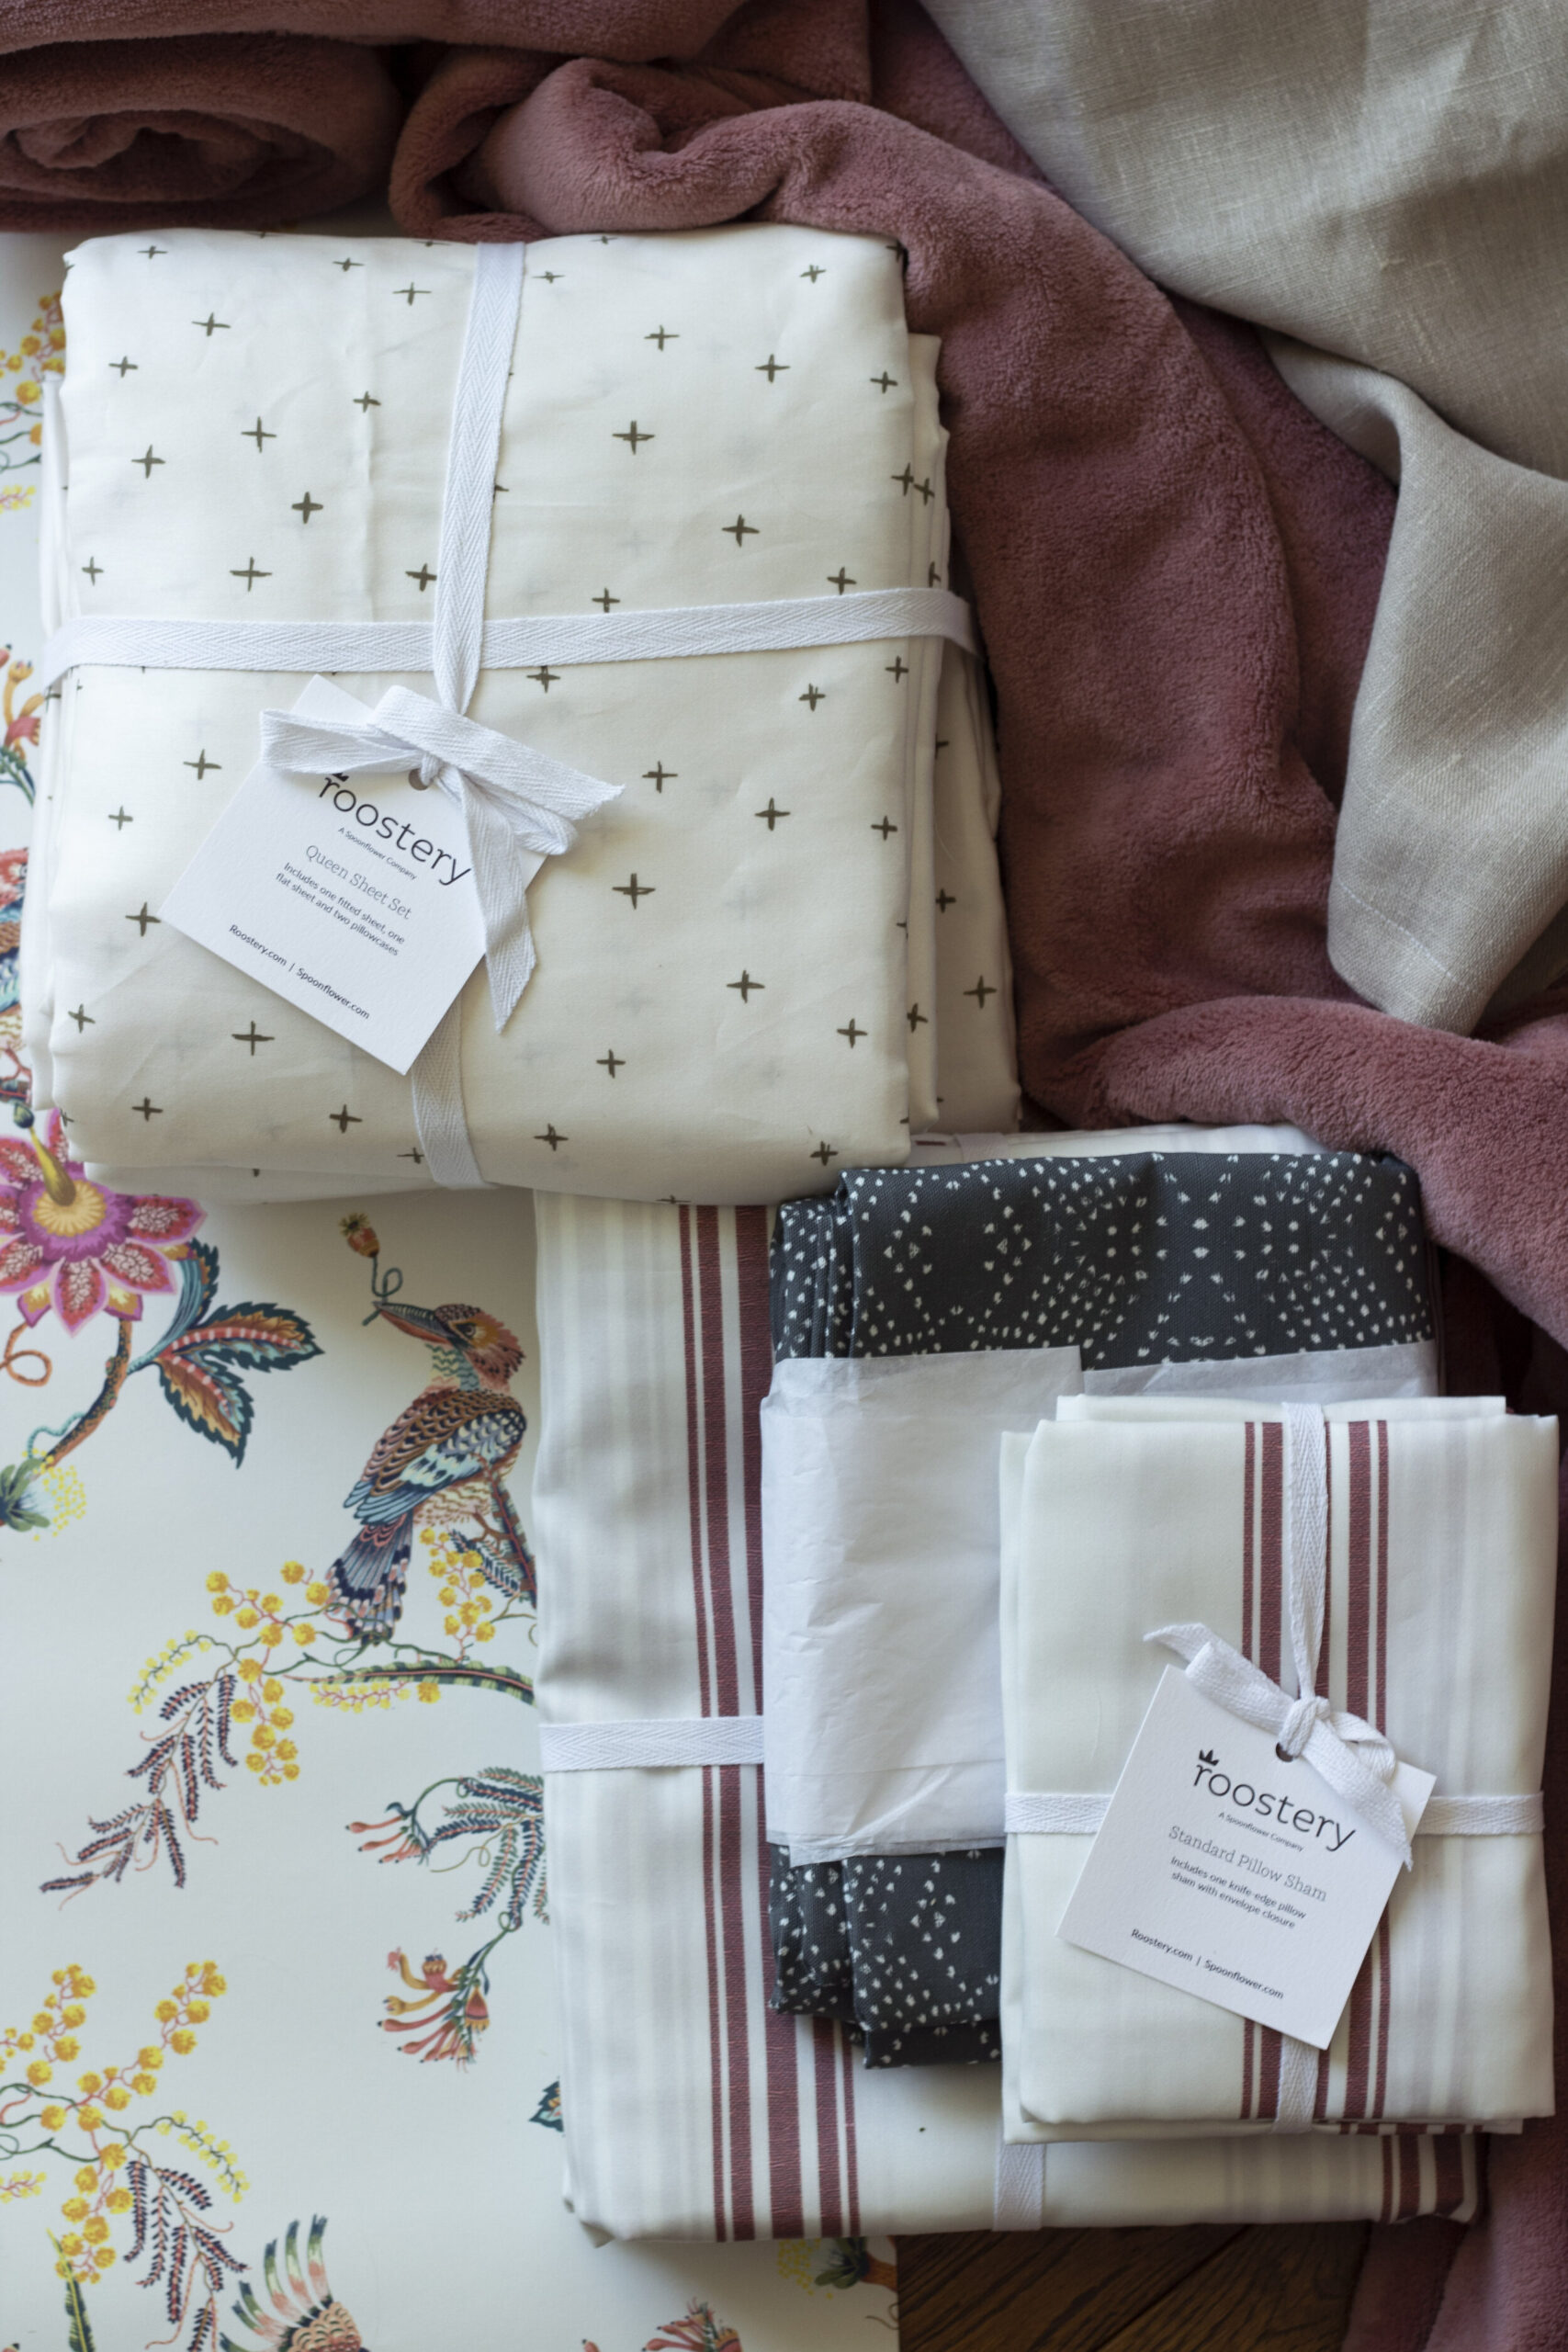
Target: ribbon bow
[511, 798]
[1351, 1755]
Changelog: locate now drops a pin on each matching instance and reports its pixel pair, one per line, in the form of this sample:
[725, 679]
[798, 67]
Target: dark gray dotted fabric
[903, 1950]
[1145, 1258]
[1148, 1258]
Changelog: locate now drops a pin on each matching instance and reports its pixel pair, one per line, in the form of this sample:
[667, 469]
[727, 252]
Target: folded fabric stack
[1435, 1627]
[918, 1316]
[701, 443]
[692, 2105]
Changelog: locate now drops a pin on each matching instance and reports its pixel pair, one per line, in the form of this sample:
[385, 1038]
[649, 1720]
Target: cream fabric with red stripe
[692, 2109]
[1125, 1514]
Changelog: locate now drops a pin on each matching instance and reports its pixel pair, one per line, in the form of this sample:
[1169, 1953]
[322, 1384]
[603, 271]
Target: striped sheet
[691, 2108]
[1437, 1627]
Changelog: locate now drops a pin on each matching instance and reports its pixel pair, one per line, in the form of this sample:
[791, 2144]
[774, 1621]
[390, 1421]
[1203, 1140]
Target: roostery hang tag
[1230, 1872]
[354, 898]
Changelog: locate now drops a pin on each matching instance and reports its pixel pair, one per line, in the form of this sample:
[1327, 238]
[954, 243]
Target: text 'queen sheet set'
[874, 1528]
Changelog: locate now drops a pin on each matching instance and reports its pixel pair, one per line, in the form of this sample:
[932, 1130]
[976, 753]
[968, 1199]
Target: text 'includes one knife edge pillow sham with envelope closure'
[691, 2108]
[1186, 1269]
[1435, 1627]
[736, 987]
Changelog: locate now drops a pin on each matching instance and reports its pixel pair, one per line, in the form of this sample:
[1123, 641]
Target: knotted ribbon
[511, 798]
[1351, 1755]
[1354, 1757]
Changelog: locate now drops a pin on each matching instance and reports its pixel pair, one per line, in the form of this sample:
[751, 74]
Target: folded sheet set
[745, 961]
[694, 2103]
[1436, 1627]
[903, 1309]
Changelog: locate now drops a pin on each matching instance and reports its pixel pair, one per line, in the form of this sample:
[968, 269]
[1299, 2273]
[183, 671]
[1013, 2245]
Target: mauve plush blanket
[233, 130]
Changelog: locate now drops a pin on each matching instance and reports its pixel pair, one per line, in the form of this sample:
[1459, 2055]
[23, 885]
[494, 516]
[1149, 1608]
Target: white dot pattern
[1148, 1259]
[903, 1950]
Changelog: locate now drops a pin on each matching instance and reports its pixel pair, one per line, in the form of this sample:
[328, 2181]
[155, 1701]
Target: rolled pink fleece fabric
[1173, 611]
[247, 113]
[625, 28]
[240, 132]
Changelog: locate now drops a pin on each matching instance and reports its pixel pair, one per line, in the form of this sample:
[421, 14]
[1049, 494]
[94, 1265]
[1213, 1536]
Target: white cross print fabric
[745, 963]
[1441, 1551]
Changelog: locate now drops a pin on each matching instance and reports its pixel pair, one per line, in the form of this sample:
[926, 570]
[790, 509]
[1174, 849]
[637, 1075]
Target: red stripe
[1270, 1598]
[1380, 1717]
[1247, 2042]
[1320, 1682]
[1449, 2149]
[1409, 2178]
[825, 2067]
[731, 1861]
[1364, 1992]
[1386, 2149]
[693, 1504]
[1249, 1537]
[1320, 1676]
[1358, 1661]
[1477, 2160]
[1248, 1572]
[729, 1805]
[1270, 1601]
[1358, 2064]
[852, 2166]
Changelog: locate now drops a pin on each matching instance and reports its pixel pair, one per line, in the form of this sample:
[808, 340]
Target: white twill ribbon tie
[662, 1743]
[1356, 1761]
[1355, 1758]
[511, 797]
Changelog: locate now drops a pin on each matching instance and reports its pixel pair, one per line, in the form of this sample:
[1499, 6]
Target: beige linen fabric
[1440, 1590]
[1451, 855]
[1392, 184]
[764, 1006]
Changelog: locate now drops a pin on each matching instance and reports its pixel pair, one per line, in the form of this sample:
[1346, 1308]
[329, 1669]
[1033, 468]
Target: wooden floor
[1131, 2291]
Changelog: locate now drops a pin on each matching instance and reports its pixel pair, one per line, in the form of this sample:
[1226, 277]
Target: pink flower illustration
[101, 1250]
[19, 726]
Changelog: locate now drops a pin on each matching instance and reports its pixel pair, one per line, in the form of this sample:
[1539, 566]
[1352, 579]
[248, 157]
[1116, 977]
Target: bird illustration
[305, 2316]
[441, 1464]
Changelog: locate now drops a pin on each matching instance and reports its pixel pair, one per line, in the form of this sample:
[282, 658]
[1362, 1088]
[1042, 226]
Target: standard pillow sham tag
[1232, 1873]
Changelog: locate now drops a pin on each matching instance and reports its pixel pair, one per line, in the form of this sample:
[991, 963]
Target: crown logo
[1207, 1755]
